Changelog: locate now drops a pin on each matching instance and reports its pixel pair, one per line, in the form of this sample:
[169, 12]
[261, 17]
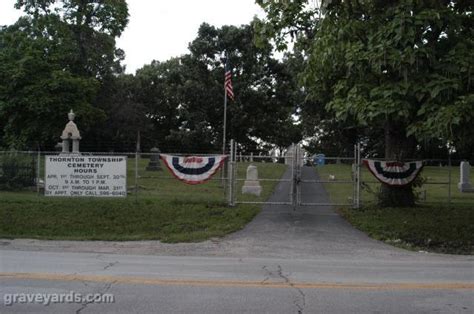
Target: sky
[161, 29]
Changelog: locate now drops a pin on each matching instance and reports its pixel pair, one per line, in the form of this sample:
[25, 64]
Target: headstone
[251, 184]
[58, 147]
[154, 164]
[70, 134]
[251, 157]
[464, 184]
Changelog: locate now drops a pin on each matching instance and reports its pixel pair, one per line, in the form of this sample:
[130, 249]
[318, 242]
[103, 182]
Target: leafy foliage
[37, 89]
[402, 66]
[17, 171]
[288, 19]
[405, 62]
[184, 96]
[54, 59]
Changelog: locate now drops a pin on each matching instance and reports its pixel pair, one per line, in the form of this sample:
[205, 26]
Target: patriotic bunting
[394, 173]
[193, 169]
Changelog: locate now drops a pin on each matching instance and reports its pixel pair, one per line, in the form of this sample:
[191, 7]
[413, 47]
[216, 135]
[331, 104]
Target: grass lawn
[164, 209]
[432, 225]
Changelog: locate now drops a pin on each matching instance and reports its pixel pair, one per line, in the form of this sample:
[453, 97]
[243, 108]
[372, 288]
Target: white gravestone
[251, 184]
[464, 184]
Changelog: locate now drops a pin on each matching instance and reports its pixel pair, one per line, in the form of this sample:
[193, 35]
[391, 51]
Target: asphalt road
[304, 261]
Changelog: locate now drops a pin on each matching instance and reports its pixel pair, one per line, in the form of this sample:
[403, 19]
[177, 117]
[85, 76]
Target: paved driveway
[278, 231]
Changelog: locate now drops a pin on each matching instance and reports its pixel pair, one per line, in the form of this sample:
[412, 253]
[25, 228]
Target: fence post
[38, 172]
[234, 175]
[354, 178]
[229, 173]
[358, 175]
[449, 179]
[292, 181]
[136, 177]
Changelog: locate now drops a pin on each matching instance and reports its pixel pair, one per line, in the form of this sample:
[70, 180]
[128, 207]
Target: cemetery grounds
[442, 221]
[159, 207]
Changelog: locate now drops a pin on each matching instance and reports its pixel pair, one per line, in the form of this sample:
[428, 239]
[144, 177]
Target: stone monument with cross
[70, 135]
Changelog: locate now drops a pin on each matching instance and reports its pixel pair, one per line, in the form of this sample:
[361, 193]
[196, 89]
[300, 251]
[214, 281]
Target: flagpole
[224, 125]
[224, 137]
[225, 122]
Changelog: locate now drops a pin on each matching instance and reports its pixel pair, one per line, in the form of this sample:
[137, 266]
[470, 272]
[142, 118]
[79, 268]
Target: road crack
[101, 291]
[300, 301]
[110, 265]
[299, 305]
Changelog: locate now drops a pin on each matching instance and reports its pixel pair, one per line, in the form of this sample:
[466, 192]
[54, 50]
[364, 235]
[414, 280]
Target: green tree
[162, 86]
[56, 58]
[184, 96]
[35, 89]
[400, 66]
[287, 21]
[264, 87]
[92, 27]
[126, 117]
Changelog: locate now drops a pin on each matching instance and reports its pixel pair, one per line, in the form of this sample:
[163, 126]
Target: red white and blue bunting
[394, 173]
[193, 169]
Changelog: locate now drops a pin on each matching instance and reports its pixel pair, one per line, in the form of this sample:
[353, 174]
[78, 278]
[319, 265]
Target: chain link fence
[148, 179]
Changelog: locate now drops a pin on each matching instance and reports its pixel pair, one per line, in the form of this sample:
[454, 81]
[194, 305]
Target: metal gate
[295, 180]
[316, 183]
[235, 182]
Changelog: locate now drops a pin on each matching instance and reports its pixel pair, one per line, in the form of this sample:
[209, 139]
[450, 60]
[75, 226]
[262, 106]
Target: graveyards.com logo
[59, 298]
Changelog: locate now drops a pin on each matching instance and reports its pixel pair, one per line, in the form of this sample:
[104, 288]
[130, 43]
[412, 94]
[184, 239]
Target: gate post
[136, 176]
[358, 176]
[292, 181]
[234, 174]
[294, 177]
[354, 177]
[230, 172]
[38, 172]
[298, 174]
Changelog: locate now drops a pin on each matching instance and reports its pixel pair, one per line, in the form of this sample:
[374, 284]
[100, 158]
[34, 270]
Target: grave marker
[154, 164]
[251, 184]
[464, 184]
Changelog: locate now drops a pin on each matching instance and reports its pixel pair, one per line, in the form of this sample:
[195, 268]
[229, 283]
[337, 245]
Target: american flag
[228, 82]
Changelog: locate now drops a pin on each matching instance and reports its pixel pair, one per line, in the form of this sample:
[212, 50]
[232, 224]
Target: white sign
[90, 176]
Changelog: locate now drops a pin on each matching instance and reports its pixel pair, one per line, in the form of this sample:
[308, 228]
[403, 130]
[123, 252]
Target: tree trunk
[397, 147]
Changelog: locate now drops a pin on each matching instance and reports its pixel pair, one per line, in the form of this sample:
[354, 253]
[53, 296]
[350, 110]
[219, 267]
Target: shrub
[17, 171]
